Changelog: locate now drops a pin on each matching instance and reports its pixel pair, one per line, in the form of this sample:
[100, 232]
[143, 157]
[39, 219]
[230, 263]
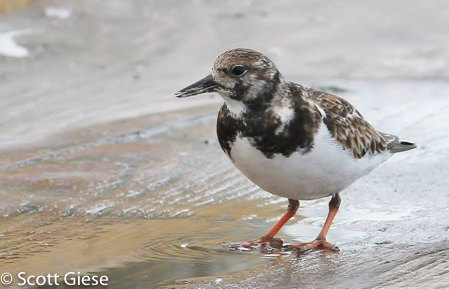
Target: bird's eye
[238, 70]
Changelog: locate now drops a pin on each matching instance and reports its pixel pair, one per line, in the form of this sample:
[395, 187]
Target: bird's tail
[394, 145]
[403, 146]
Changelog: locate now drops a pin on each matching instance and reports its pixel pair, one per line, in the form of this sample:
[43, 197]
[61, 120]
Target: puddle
[131, 253]
[170, 259]
[133, 208]
[305, 233]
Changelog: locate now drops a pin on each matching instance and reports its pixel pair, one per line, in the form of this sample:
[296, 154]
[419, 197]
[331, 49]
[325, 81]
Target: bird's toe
[262, 243]
[317, 244]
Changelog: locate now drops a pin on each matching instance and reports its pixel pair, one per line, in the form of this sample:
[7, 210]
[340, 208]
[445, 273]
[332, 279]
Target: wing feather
[349, 128]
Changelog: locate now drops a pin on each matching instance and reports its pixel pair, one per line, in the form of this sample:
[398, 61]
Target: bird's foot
[263, 243]
[319, 244]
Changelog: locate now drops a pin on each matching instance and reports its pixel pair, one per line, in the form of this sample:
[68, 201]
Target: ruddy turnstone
[290, 140]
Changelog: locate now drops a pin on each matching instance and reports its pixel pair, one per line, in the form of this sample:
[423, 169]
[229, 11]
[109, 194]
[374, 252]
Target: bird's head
[243, 77]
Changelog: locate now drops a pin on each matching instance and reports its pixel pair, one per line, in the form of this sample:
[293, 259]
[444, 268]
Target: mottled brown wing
[349, 127]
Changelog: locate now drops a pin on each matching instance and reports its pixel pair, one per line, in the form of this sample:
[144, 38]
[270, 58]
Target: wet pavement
[103, 171]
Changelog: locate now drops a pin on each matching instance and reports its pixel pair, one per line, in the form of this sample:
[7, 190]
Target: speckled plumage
[267, 131]
[280, 118]
[348, 126]
[288, 139]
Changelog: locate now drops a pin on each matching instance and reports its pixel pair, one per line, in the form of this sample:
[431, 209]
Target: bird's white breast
[321, 172]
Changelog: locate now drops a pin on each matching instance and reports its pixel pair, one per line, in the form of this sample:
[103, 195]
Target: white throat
[236, 108]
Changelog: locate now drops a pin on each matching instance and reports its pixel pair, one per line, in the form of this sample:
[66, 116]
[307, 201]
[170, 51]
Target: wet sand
[9, 5]
[103, 171]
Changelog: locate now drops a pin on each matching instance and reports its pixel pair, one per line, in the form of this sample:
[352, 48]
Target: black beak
[204, 85]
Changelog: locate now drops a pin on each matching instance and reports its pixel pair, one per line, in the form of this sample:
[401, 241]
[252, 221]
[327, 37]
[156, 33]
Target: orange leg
[268, 239]
[320, 241]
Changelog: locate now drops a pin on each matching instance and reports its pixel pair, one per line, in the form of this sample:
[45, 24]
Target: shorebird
[291, 140]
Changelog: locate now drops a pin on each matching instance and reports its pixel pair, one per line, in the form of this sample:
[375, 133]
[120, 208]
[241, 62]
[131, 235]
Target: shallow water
[153, 208]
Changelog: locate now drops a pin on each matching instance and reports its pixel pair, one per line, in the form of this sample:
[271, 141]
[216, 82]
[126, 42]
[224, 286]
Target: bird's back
[348, 127]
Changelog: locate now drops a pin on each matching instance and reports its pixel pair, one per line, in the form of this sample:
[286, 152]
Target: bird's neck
[235, 107]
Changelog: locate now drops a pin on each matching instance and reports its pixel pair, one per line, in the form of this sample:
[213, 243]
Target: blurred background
[104, 171]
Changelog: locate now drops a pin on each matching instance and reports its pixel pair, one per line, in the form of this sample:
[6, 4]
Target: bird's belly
[321, 172]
